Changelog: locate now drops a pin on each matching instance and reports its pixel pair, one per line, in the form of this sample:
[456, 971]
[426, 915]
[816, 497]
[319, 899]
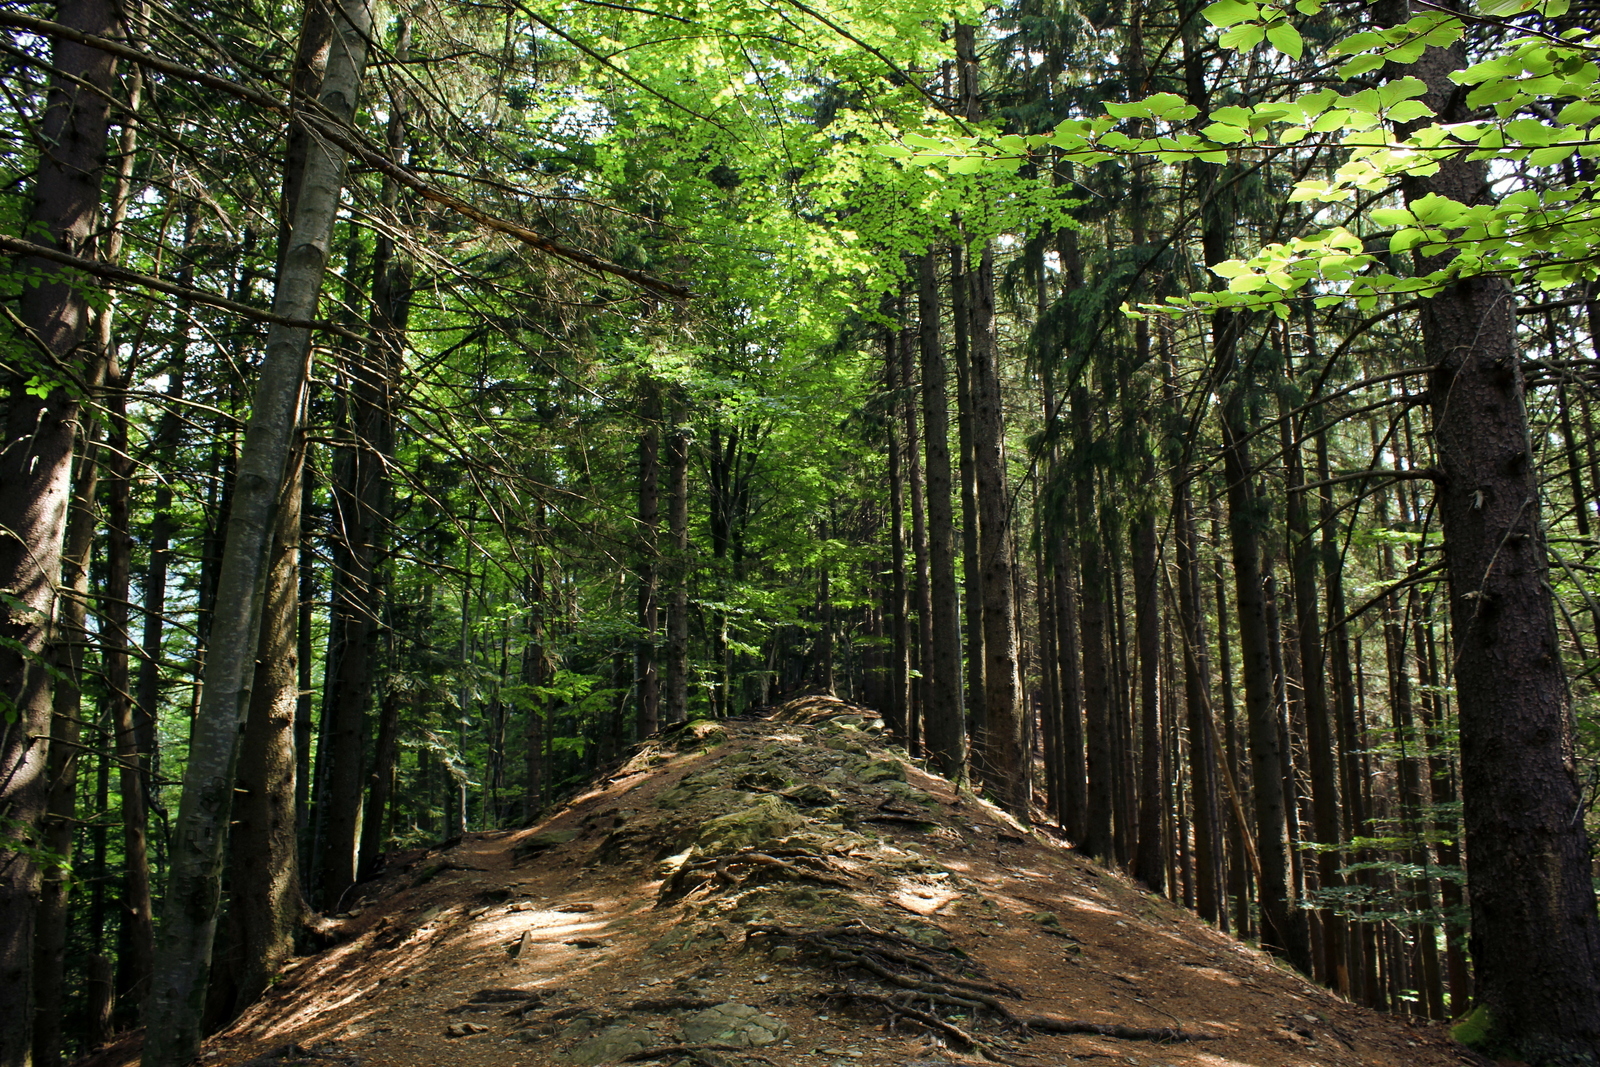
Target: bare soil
[866, 912]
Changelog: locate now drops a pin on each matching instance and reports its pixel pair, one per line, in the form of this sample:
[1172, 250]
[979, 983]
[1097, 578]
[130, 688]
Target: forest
[1176, 417]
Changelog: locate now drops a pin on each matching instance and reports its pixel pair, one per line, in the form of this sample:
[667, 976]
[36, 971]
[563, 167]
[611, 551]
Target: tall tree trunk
[901, 707]
[677, 680]
[374, 395]
[59, 827]
[646, 675]
[1281, 929]
[945, 728]
[1203, 752]
[1097, 837]
[534, 670]
[266, 905]
[1005, 757]
[1528, 856]
[138, 925]
[1153, 844]
[1321, 741]
[36, 477]
[360, 517]
[194, 886]
[919, 588]
[971, 589]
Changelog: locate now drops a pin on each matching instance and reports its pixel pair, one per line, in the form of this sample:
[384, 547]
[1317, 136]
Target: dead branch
[1051, 1025]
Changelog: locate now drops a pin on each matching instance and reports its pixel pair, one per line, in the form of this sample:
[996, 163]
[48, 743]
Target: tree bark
[266, 905]
[901, 707]
[1528, 856]
[194, 887]
[1097, 837]
[676, 701]
[971, 588]
[919, 589]
[1153, 846]
[1005, 758]
[35, 481]
[945, 729]
[646, 675]
[59, 826]
[1280, 928]
[137, 927]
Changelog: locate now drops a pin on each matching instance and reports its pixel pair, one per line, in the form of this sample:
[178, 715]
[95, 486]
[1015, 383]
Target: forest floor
[790, 892]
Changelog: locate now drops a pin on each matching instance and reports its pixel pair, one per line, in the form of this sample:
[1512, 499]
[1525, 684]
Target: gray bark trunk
[177, 997]
[266, 905]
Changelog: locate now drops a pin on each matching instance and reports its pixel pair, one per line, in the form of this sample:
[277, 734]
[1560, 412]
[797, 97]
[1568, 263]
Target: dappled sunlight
[512, 950]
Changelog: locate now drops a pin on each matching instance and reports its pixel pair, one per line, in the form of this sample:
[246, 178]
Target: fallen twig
[1051, 1025]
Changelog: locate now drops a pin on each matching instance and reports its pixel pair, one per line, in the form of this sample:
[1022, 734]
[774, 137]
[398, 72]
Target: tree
[43, 382]
[189, 915]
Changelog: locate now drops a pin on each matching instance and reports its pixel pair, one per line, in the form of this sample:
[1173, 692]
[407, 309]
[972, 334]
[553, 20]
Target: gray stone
[734, 1024]
[610, 1045]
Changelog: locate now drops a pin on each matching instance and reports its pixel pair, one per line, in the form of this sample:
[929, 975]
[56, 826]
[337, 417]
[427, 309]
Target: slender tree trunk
[360, 518]
[900, 707]
[921, 593]
[59, 826]
[945, 728]
[533, 677]
[677, 679]
[194, 886]
[1005, 759]
[646, 676]
[303, 654]
[137, 926]
[1123, 776]
[1097, 838]
[971, 589]
[36, 477]
[1280, 929]
[1153, 846]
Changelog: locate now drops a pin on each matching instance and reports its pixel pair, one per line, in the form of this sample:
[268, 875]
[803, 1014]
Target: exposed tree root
[858, 945]
[739, 869]
[900, 1008]
[1051, 1025]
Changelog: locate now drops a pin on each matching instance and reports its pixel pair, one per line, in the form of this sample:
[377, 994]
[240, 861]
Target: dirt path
[777, 892]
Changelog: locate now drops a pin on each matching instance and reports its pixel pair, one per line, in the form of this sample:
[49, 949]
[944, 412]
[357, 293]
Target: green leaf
[1360, 65]
[1503, 8]
[1171, 106]
[1286, 39]
[1579, 112]
[1228, 12]
[1392, 216]
[1401, 89]
[1406, 110]
[1243, 37]
[1405, 240]
[1549, 157]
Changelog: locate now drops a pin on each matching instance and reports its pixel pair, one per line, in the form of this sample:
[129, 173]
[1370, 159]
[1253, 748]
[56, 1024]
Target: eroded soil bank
[791, 891]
